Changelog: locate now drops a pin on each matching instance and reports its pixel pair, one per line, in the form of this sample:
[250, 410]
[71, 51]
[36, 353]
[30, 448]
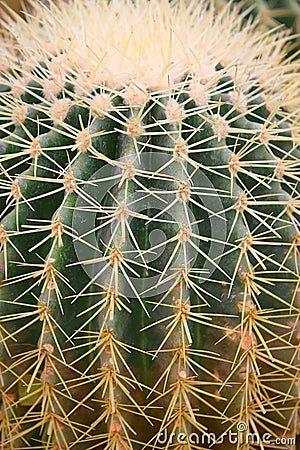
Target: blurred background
[15, 4]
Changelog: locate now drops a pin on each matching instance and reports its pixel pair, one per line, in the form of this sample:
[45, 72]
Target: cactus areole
[149, 228]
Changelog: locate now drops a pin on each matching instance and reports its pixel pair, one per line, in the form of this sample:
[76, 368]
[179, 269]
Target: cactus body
[149, 229]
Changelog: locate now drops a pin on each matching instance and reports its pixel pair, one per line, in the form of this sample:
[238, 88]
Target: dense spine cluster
[149, 229]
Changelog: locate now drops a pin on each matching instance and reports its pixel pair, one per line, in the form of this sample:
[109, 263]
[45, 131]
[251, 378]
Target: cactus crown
[154, 44]
[149, 185]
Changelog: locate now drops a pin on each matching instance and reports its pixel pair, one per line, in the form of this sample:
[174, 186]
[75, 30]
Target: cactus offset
[149, 189]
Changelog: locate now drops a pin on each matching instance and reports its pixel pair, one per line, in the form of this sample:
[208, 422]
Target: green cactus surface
[149, 228]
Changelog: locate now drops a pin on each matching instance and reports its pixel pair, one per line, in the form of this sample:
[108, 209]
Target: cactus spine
[149, 188]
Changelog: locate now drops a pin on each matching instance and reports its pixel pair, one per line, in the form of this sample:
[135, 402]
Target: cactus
[149, 189]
